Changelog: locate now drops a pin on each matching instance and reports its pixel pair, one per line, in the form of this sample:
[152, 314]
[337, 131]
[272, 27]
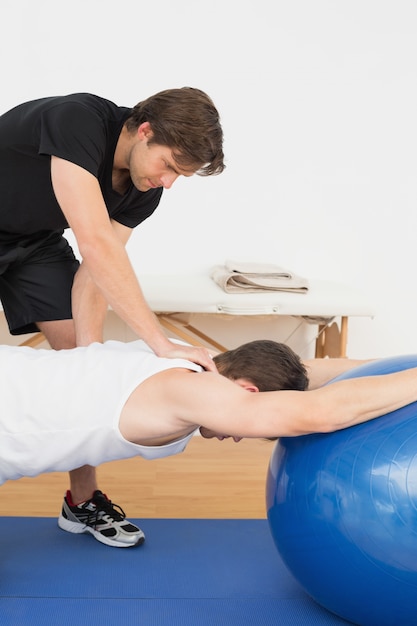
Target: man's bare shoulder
[176, 399]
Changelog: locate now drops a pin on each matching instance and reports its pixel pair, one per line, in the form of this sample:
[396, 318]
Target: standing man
[82, 162]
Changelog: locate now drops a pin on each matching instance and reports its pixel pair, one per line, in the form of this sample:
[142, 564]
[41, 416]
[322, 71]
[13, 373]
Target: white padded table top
[166, 293]
[200, 294]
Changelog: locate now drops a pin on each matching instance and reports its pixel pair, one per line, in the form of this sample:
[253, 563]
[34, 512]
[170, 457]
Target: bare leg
[83, 483]
[61, 336]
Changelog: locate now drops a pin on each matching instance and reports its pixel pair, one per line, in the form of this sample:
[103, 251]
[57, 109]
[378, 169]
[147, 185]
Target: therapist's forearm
[109, 266]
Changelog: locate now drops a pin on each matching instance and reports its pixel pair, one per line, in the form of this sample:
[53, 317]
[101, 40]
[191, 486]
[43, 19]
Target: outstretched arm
[212, 401]
[79, 196]
[322, 371]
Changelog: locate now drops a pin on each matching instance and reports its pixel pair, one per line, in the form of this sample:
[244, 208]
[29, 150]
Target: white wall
[318, 100]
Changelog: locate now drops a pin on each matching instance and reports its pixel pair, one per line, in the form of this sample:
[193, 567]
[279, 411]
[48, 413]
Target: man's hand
[201, 356]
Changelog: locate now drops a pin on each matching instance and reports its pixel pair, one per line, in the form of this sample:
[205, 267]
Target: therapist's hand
[198, 355]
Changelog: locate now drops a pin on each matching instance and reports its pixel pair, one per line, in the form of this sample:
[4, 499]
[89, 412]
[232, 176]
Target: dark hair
[269, 365]
[186, 121]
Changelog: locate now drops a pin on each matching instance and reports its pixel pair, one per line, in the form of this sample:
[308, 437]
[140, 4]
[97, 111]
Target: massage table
[178, 298]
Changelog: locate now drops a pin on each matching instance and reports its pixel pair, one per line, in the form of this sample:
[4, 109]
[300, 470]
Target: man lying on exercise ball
[62, 409]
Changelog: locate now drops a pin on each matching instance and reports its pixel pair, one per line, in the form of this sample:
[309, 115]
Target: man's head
[266, 364]
[261, 365]
[186, 121]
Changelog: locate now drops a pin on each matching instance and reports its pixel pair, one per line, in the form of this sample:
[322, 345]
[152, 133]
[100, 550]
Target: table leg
[332, 341]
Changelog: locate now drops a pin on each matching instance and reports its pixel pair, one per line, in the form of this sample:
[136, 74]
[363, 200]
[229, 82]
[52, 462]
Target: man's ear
[145, 131]
[246, 384]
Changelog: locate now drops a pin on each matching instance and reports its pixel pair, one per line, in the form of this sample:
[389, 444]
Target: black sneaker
[99, 517]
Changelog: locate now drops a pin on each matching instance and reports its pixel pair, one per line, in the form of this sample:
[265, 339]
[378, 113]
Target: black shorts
[36, 276]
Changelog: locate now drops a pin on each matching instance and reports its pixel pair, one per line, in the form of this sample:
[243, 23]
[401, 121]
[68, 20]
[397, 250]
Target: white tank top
[61, 410]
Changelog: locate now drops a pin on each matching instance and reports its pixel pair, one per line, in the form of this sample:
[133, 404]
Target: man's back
[61, 409]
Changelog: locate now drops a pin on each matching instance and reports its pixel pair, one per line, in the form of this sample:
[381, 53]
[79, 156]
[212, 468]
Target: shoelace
[108, 508]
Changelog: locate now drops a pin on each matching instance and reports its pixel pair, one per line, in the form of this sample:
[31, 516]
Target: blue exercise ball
[342, 510]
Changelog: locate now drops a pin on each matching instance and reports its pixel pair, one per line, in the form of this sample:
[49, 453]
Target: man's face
[152, 165]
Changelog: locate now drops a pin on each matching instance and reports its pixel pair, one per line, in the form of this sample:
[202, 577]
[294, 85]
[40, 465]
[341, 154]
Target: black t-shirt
[81, 128]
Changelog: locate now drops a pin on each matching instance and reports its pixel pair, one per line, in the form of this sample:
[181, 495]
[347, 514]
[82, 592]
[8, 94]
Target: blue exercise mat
[188, 573]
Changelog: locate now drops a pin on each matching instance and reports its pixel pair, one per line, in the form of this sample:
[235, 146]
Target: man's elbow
[95, 249]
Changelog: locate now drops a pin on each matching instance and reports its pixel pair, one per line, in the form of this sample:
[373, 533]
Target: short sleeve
[75, 133]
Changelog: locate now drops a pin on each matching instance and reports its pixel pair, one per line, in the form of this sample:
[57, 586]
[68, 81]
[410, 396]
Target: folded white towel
[236, 276]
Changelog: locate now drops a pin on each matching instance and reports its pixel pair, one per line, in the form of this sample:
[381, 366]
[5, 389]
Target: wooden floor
[210, 479]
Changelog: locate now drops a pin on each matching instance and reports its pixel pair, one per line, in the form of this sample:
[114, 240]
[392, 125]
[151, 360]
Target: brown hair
[186, 121]
[269, 365]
